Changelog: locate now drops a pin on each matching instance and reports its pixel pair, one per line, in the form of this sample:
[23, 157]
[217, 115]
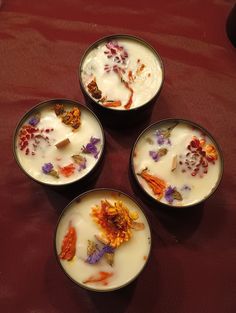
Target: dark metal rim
[115, 36]
[84, 194]
[44, 104]
[163, 121]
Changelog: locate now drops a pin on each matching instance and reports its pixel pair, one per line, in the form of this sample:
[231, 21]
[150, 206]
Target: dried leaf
[149, 140]
[91, 248]
[177, 195]
[109, 258]
[54, 173]
[162, 152]
[78, 158]
[101, 239]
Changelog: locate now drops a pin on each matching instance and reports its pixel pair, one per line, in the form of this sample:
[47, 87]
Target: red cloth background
[192, 267]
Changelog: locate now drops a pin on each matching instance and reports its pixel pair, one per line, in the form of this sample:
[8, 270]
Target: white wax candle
[127, 72]
[45, 146]
[129, 258]
[187, 175]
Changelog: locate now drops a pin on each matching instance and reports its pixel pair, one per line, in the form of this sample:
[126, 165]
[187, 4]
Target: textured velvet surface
[192, 268]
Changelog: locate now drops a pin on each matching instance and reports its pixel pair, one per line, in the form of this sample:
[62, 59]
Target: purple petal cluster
[154, 155]
[169, 194]
[47, 168]
[34, 120]
[98, 254]
[161, 139]
[91, 147]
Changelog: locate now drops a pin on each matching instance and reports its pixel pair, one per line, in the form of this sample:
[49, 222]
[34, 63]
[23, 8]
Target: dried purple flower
[91, 148]
[98, 254]
[47, 168]
[169, 194]
[34, 120]
[162, 137]
[154, 155]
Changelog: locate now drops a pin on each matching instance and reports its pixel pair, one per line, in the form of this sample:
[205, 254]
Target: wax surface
[140, 68]
[129, 258]
[47, 152]
[192, 188]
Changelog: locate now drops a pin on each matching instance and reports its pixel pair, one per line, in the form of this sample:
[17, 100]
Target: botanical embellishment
[91, 147]
[157, 185]
[93, 89]
[95, 254]
[198, 156]
[67, 170]
[31, 137]
[163, 135]
[174, 163]
[115, 222]
[48, 169]
[70, 118]
[172, 194]
[156, 155]
[112, 104]
[80, 161]
[63, 143]
[68, 247]
[102, 278]
[34, 120]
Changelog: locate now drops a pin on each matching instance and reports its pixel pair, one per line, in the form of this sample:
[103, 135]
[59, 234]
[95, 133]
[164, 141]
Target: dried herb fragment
[101, 278]
[68, 248]
[80, 160]
[91, 248]
[93, 90]
[59, 109]
[112, 104]
[155, 183]
[177, 195]
[109, 258]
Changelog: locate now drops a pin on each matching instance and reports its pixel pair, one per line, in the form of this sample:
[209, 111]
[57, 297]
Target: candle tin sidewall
[121, 118]
[84, 179]
[155, 201]
[55, 236]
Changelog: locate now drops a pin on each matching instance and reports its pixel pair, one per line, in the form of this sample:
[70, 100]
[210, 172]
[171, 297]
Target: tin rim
[84, 194]
[168, 120]
[125, 36]
[42, 105]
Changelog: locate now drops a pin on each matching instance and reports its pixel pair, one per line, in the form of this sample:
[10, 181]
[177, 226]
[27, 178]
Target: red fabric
[192, 264]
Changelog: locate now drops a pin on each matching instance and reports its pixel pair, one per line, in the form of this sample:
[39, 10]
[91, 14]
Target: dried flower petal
[172, 194]
[91, 148]
[98, 254]
[101, 278]
[34, 120]
[155, 183]
[110, 258]
[68, 248]
[91, 248]
[47, 168]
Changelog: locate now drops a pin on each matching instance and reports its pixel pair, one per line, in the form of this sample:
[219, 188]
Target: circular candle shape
[108, 257]
[177, 162]
[59, 142]
[121, 73]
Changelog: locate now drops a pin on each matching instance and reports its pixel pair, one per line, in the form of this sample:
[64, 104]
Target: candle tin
[59, 142]
[117, 79]
[176, 163]
[86, 263]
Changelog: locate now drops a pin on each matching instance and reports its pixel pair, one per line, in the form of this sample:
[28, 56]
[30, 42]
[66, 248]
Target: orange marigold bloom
[114, 221]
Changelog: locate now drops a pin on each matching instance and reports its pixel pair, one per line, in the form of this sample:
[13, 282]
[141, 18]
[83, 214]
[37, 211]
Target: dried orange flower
[115, 222]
